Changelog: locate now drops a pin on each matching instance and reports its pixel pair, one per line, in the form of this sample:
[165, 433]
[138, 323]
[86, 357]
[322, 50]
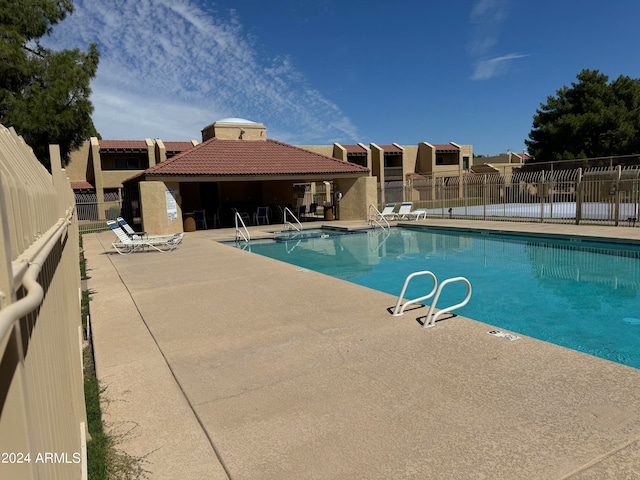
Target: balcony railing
[393, 173]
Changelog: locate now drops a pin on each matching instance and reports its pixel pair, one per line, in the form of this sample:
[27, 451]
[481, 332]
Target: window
[127, 164]
[465, 163]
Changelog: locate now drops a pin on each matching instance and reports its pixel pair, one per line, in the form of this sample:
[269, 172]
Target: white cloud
[486, 69]
[494, 11]
[168, 68]
[486, 17]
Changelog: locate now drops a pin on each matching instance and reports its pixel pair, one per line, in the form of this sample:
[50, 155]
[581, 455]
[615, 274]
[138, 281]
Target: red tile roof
[122, 145]
[177, 146]
[446, 147]
[216, 157]
[358, 149]
[81, 186]
[390, 149]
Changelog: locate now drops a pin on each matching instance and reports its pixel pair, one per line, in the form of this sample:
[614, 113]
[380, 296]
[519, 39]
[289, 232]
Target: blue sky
[315, 72]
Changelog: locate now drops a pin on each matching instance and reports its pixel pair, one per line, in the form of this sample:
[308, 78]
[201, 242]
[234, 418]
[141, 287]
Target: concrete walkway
[223, 364]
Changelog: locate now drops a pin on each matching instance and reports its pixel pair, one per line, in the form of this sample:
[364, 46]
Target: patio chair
[405, 212]
[200, 217]
[216, 218]
[302, 211]
[243, 215]
[262, 214]
[313, 208]
[278, 214]
[126, 244]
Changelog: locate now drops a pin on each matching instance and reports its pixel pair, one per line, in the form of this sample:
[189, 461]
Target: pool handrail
[375, 218]
[239, 233]
[287, 223]
[399, 308]
[430, 319]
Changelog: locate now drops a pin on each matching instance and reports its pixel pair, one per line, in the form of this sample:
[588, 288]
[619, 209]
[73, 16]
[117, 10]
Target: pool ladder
[241, 233]
[430, 320]
[376, 218]
[291, 226]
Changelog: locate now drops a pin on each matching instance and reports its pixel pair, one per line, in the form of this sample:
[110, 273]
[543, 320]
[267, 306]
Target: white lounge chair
[128, 245]
[139, 235]
[405, 212]
[127, 228]
[388, 211]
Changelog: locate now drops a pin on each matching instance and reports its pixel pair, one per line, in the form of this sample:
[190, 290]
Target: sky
[348, 71]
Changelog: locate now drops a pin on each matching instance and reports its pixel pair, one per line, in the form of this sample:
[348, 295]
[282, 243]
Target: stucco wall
[410, 159]
[326, 150]
[357, 195]
[235, 131]
[114, 178]
[76, 169]
[377, 162]
[154, 208]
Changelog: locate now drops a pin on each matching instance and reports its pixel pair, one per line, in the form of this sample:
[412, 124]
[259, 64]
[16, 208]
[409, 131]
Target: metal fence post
[484, 195]
[541, 195]
[579, 187]
[616, 195]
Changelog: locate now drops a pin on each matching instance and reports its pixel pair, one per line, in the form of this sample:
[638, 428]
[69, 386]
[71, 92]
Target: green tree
[592, 118]
[44, 94]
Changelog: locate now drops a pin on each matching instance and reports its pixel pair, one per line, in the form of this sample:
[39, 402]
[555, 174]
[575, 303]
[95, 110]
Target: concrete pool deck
[219, 363]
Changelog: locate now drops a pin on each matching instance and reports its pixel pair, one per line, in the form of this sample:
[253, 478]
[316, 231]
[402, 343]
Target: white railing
[375, 218]
[241, 233]
[431, 318]
[287, 223]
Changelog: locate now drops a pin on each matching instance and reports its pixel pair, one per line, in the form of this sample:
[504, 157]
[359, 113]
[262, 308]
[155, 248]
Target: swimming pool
[324, 232]
[579, 294]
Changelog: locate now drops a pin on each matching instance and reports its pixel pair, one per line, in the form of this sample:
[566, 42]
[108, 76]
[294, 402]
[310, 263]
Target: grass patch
[91, 227]
[104, 460]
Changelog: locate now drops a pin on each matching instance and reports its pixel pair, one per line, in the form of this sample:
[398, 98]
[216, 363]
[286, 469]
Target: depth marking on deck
[506, 336]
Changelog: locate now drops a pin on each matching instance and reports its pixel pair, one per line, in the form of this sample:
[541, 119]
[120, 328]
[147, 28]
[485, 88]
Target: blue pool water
[582, 295]
[288, 235]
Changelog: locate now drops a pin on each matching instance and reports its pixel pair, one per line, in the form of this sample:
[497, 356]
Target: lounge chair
[388, 211]
[127, 228]
[405, 212]
[137, 235]
[127, 244]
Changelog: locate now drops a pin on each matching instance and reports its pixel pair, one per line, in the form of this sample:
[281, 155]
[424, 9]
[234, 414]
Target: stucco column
[357, 195]
[160, 206]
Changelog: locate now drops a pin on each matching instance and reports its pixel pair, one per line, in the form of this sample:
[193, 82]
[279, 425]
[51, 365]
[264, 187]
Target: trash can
[328, 212]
